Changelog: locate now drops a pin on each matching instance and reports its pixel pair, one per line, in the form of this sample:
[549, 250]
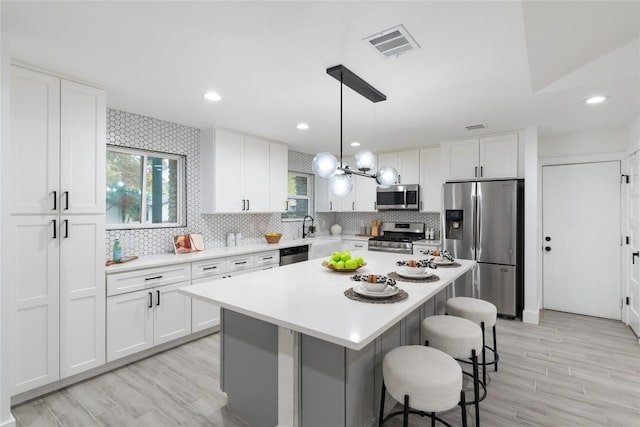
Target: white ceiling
[505, 64]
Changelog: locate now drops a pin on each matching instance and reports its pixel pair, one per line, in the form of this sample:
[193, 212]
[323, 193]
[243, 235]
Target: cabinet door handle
[421, 205]
[153, 278]
[353, 206]
[399, 179]
[55, 226]
[286, 205]
[55, 200]
[240, 262]
[210, 268]
[150, 300]
[247, 204]
[633, 257]
[243, 204]
[481, 171]
[475, 173]
[66, 228]
[375, 206]
[158, 295]
[267, 257]
[66, 200]
[330, 206]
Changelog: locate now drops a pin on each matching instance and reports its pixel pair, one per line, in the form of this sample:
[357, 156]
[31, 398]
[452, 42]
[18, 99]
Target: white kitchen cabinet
[355, 245]
[203, 314]
[430, 180]
[31, 271]
[407, 163]
[326, 201]
[82, 293]
[278, 177]
[129, 323]
[56, 208]
[365, 195]
[171, 313]
[236, 173]
[142, 319]
[487, 157]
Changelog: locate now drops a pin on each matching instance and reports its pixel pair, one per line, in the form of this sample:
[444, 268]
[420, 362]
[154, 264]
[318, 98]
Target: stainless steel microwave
[398, 197]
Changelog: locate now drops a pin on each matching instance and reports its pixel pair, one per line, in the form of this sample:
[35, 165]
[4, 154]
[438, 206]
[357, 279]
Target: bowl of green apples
[342, 262]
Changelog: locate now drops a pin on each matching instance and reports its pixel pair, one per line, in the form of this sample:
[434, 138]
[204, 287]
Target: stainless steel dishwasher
[294, 254]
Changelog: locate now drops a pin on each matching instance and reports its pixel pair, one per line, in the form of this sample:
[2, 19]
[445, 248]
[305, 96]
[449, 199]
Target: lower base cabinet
[139, 320]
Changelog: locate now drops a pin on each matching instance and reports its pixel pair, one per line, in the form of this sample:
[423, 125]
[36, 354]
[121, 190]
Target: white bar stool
[461, 339]
[483, 313]
[425, 379]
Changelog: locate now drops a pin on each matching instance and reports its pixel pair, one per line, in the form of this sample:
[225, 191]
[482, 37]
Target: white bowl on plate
[413, 271]
[374, 287]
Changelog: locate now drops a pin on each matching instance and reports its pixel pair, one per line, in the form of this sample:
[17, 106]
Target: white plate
[406, 272]
[442, 261]
[389, 292]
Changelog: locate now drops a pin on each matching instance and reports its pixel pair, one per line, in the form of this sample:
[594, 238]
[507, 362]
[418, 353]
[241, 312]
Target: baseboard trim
[109, 366]
[531, 316]
[11, 422]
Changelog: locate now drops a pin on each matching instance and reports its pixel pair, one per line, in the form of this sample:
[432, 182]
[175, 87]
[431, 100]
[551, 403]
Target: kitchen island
[296, 351]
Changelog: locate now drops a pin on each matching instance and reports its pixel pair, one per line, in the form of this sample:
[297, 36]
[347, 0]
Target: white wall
[633, 135]
[532, 220]
[584, 143]
[6, 419]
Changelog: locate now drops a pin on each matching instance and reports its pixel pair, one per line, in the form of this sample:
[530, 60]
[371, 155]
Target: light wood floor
[568, 371]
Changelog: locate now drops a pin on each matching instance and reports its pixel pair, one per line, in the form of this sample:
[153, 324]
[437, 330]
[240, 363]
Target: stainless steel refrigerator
[484, 221]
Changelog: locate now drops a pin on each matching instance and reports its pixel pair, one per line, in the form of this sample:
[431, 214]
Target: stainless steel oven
[398, 197]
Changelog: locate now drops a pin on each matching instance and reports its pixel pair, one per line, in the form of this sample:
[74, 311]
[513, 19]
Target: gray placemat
[400, 296]
[455, 264]
[396, 276]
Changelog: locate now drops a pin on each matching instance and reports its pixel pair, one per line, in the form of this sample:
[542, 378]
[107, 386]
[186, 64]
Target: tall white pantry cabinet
[53, 253]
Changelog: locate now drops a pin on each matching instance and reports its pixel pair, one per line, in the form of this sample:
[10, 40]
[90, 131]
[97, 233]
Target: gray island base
[298, 353]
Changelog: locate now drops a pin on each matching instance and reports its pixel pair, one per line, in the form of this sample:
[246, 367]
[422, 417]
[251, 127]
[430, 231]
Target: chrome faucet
[312, 229]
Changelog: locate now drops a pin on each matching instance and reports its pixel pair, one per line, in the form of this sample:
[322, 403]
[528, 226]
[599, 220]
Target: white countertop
[308, 298]
[159, 260]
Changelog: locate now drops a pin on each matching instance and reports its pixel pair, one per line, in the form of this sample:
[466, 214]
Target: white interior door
[633, 231]
[581, 238]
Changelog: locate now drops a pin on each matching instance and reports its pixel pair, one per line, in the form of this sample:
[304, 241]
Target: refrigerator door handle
[478, 237]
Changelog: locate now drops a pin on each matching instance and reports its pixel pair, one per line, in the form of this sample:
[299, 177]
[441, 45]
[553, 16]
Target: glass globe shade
[324, 164]
[387, 176]
[365, 160]
[341, 185]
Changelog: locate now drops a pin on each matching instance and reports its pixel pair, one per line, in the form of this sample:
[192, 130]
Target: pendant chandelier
[326, 165]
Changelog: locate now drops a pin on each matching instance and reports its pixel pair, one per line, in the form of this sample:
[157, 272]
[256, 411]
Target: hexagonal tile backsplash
[135, 131]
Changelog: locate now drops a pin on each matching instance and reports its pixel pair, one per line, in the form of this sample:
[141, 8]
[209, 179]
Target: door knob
[548, 239]
[547, 248]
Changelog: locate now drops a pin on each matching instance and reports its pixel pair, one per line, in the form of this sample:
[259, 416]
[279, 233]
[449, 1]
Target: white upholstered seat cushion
[453, 335]
[474, 309]
[431, 378]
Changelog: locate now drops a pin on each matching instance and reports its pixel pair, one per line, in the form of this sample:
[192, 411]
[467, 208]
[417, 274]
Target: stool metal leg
[433, 419]
[495, 347]
[405, 416]
[381, 417]
[484, 356]
[463, 409]
[476, 386]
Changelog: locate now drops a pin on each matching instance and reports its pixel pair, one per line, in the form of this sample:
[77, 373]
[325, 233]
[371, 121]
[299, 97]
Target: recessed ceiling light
[355, 144]
[595, 99]
[302, 126]
[212, 96]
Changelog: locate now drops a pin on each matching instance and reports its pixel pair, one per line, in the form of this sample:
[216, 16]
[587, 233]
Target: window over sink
[299, 196]
[145, 189]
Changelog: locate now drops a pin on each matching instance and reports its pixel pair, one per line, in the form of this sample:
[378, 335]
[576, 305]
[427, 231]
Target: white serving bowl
[413, 271]
[374, 287]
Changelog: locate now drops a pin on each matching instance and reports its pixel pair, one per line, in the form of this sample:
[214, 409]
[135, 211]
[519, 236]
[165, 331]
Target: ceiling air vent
[475, 127]
[392, 42]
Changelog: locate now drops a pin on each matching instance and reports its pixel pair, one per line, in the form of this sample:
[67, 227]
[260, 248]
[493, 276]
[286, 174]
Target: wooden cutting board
[123, 260]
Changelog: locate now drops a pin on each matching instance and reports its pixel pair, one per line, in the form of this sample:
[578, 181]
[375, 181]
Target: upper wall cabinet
[430, 180]
[407, 163]
[241, 173]
[57, 145]
[488, 157]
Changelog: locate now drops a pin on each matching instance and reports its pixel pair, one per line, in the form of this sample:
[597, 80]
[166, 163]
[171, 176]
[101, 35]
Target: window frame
[181, 160]
[309, 177]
